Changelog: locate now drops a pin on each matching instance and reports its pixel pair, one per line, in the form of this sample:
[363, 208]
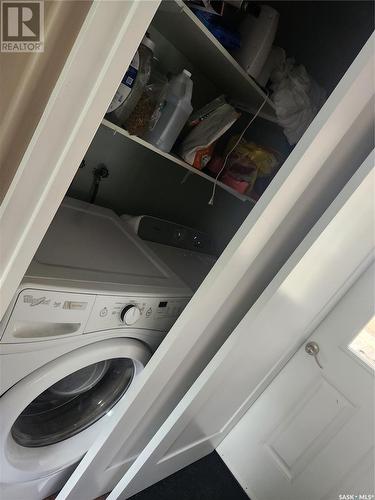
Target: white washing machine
[94, 305]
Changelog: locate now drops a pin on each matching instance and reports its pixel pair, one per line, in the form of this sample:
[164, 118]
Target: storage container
[173, 112]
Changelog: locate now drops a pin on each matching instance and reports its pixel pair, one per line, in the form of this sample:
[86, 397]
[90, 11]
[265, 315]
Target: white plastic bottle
[257, 36]
[173, 112]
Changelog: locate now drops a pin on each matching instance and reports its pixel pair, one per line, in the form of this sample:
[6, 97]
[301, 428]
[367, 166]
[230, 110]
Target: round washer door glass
[73, 403]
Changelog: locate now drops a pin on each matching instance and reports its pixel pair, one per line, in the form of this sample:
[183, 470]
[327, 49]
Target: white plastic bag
[297, 98]
[198, 146]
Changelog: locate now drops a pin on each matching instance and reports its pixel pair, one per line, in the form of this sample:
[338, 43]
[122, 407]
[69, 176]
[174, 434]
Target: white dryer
[94, 305]
[185, 250]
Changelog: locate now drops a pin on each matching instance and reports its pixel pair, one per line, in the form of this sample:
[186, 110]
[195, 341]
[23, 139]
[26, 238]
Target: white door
[310, 435]
[322, 269]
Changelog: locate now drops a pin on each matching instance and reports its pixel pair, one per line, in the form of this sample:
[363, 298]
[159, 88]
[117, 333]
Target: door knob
[313, 349]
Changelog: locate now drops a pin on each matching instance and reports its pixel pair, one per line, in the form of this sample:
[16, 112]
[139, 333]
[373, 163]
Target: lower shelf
[174, 159]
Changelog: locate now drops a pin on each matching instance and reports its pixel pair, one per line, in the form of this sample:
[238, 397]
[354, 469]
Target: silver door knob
[313, 349]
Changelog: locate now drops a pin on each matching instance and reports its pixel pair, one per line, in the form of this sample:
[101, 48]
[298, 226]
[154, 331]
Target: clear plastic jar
[133, 84]
[139, 121]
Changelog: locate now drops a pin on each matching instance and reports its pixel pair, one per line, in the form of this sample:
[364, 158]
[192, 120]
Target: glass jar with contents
[140, 119]
[133, 84]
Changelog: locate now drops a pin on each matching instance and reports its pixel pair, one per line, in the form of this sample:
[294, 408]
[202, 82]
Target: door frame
[105, 45]
[322, 291]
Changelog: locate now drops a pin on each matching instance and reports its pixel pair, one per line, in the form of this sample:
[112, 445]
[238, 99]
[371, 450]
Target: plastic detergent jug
[133, 83]
[257, 34]
[172, 112]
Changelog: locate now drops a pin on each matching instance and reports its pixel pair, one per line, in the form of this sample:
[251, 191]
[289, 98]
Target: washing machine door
[51, 417]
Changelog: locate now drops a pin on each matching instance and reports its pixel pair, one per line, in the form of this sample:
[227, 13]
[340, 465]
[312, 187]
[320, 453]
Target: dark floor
[206, 479]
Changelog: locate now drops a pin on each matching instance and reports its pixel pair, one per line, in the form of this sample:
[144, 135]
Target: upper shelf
[182, 28]
[174, 159]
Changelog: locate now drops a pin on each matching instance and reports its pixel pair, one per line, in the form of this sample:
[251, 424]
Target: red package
[239, 185]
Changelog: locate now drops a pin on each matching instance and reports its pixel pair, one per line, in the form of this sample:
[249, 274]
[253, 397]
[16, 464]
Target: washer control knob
[130, 314]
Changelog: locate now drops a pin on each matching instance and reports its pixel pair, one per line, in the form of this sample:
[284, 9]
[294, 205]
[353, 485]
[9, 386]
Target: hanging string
[211, 201]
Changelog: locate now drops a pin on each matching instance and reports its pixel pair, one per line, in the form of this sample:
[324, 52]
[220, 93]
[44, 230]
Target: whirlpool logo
[29, 299]
[22, 26]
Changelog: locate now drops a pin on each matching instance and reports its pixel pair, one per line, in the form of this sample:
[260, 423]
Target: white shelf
[173, 159]
[184, 30]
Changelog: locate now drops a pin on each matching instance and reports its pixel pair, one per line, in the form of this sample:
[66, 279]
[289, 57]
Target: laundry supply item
[143, 116]
[297, 98]
[274, 59]
[248, 163]
[208, 126]
[132, 85]
[172, 112]
[257, 36]
[227, 35]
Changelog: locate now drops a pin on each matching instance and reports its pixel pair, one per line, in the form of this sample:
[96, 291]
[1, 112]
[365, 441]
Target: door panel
[313, 427]
[296, 301]
[321, 409]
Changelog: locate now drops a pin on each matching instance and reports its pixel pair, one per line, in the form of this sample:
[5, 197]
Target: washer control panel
[149, 313]
[38, 315]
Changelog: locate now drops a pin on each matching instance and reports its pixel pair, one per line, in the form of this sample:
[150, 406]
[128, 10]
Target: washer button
[103, 312]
